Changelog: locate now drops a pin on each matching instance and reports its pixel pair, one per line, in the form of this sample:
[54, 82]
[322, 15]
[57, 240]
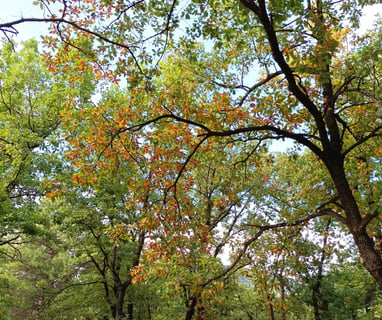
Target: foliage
[30, 105]
[172, 163]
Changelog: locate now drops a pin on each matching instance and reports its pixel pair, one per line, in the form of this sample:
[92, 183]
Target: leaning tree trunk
[369, 256]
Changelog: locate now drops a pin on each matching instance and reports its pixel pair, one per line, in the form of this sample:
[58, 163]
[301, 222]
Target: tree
[107, 235]
[272, 71]
[30, 103]
[42, 267]
[346, 292]
[31, 155]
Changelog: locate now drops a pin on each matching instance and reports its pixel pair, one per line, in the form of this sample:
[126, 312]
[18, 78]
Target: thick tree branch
[295, 223]
[8, 241]
[138, 253]
[301, 138]
[261, 12]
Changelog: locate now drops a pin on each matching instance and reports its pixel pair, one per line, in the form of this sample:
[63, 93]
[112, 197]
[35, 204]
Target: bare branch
[259, 84]
[189, 157]
[288, 224]
[8, 241]
[5, 27]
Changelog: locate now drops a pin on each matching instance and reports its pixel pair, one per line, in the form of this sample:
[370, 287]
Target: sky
[14, 9]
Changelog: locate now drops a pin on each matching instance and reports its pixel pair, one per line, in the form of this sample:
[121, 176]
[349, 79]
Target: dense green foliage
[137, 177]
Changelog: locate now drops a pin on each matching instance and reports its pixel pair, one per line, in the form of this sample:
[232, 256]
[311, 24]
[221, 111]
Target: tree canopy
[167, 113]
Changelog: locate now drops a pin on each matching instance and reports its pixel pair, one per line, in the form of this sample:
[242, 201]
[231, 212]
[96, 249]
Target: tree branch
[375, 133]
[294, 136]
[261, 12]
[259, 84]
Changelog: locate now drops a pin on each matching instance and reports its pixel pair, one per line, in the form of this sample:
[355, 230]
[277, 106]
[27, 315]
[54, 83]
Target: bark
[130, 311]
[149, 311]
[199, 315]
[281, 279]
[334, 160]
[120, 286]
[194, 310]
[190, 305]
[369, 256]
[118, 306]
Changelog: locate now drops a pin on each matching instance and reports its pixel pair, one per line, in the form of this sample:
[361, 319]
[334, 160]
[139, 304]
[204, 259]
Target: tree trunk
[370, 258]
[282, 292]
[149, 311]
[130, 311]
[271, 311]
[330, 137]
[190, 305]
[199, 315]
[118, 305]
[320, 306]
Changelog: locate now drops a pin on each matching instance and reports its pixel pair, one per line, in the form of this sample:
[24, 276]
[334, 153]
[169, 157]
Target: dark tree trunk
[282, 292]
[130, 311]
[370, 258]
[118, 312]
[190, 305]
[199, 315]
[149, 311]
[271, 310]
[121, 287]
